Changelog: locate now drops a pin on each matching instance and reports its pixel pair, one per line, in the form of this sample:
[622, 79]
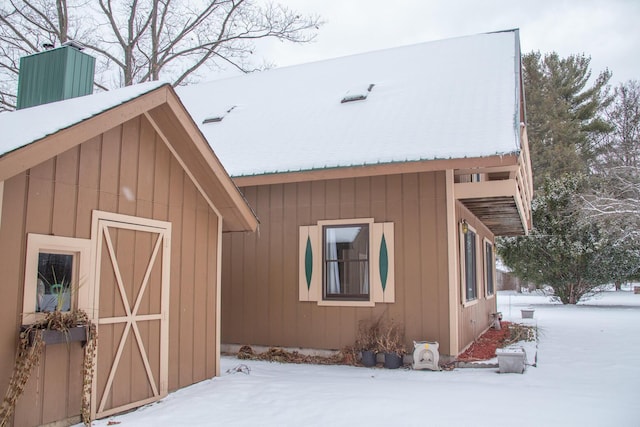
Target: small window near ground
[489, 267]
[346, 262]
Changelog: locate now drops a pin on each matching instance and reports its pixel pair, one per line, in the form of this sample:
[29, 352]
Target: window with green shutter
[347, 262]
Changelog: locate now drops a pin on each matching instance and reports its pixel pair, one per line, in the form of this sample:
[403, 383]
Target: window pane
[346, 242]
[346, 260]
[489, 267]
[470, 264]
[55, 273]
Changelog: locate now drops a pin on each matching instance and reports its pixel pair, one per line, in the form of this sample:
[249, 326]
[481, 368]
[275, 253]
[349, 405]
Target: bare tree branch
[141, 40]
[18, 33]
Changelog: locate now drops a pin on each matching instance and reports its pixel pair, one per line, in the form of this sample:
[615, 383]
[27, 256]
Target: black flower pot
[368, 358]
[392, 360]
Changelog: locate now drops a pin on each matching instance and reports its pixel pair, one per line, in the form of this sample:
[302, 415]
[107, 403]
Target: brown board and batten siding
[126, 170]
[260, 271]
[474, 317]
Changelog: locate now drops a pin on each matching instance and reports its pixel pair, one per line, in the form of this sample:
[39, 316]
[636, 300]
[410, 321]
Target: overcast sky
[606, 30]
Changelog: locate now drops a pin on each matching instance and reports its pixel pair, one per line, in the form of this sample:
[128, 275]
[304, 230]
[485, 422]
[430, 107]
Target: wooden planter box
[50, 337]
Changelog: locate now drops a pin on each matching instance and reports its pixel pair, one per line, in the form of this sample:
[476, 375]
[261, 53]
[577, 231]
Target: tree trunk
[63, 20]
[572, 295]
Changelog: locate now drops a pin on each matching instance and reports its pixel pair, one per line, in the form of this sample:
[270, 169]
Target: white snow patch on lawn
[588, 374]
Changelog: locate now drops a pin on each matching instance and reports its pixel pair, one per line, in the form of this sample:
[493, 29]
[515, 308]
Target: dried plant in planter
[30, 346]
[28, 357]
[391, 338]
[87, 371]
[368, 334]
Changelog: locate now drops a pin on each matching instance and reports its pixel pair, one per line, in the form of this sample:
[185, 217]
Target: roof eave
[392, 168]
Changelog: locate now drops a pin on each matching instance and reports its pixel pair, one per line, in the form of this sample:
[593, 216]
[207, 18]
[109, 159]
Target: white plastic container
[511, 360]
[426, 355]
[527, 313]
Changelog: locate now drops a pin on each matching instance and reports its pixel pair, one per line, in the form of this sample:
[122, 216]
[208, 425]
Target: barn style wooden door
[131, 308]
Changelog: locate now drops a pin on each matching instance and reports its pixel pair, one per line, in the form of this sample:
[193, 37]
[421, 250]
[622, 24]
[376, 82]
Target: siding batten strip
[452, 257]
[182, 163]
[1, 197]
[218, 295]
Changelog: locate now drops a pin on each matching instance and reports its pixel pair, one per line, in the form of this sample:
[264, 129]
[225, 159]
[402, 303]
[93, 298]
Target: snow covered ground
[588, 374]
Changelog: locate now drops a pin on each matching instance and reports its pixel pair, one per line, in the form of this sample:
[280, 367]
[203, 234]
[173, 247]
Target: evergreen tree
[562, 251]
[563, 113]
[568, 128]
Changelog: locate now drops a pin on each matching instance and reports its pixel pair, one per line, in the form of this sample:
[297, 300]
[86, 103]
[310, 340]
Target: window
[346, 262]
[490, 263]
[56, 274]
[469, 262]
[357, 94]
[56, 269]
[218, 116]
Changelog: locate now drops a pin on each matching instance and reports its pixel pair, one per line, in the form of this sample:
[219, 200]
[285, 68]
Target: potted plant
[59, 327]
[391, 343]
[58, 321]
[367, 341]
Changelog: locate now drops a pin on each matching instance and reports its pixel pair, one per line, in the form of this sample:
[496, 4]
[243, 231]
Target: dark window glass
[470, 264]
[346, 262]
[489, 267]
[55, 273]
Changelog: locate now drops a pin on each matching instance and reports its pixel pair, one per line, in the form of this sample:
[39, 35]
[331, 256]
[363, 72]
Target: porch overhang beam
[497, 203]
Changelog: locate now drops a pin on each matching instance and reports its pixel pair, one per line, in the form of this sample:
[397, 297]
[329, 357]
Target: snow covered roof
[22, 127]
[447, 99]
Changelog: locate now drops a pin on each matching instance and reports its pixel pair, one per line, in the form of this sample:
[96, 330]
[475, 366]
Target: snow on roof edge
[54, 117]
[363, 165]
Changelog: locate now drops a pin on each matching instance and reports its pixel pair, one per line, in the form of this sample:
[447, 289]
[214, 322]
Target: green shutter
[382, 258]
[384, 263]
[309, 268]
[308, 263]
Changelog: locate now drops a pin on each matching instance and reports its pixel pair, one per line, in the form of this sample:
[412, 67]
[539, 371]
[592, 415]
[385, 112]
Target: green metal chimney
[54, 75]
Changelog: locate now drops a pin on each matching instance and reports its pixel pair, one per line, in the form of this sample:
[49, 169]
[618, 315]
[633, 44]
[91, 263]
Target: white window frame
[487, 242]
[346, 302]
[466, 302]
[81, 251]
